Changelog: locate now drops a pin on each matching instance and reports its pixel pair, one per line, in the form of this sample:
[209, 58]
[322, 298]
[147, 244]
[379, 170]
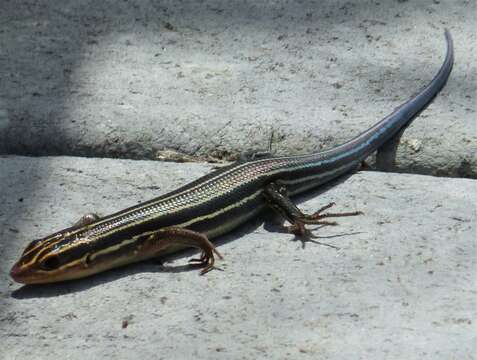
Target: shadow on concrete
[43, 44]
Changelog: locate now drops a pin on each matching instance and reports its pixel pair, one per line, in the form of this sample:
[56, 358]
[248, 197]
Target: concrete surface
[128, 79]
[402, 285]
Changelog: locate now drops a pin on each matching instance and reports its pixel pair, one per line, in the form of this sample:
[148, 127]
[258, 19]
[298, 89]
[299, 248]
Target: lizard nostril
[15, 273]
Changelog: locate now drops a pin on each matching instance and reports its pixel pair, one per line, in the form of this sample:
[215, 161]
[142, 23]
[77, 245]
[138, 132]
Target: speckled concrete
[215, 79]
[402, 285]
[129, 79]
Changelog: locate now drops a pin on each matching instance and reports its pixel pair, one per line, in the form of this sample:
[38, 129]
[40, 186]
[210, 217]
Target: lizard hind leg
[278, 200]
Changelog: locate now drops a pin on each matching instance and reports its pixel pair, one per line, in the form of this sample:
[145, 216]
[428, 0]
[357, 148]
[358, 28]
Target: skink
[212, 205]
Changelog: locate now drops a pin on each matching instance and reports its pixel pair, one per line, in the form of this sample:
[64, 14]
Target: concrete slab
[402, 285]
[129, 79]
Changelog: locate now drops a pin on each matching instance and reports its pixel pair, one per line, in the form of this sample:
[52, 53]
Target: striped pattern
[213, 204]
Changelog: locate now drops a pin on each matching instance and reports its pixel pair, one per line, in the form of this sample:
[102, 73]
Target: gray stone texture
[212, 80]
[402, 285]
[129, 79]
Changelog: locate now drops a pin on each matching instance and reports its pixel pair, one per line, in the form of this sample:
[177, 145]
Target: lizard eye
[50, 263]
[87, 259]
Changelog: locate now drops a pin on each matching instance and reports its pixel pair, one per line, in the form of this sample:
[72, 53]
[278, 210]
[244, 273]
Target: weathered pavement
[402, 285]
[130, 79]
